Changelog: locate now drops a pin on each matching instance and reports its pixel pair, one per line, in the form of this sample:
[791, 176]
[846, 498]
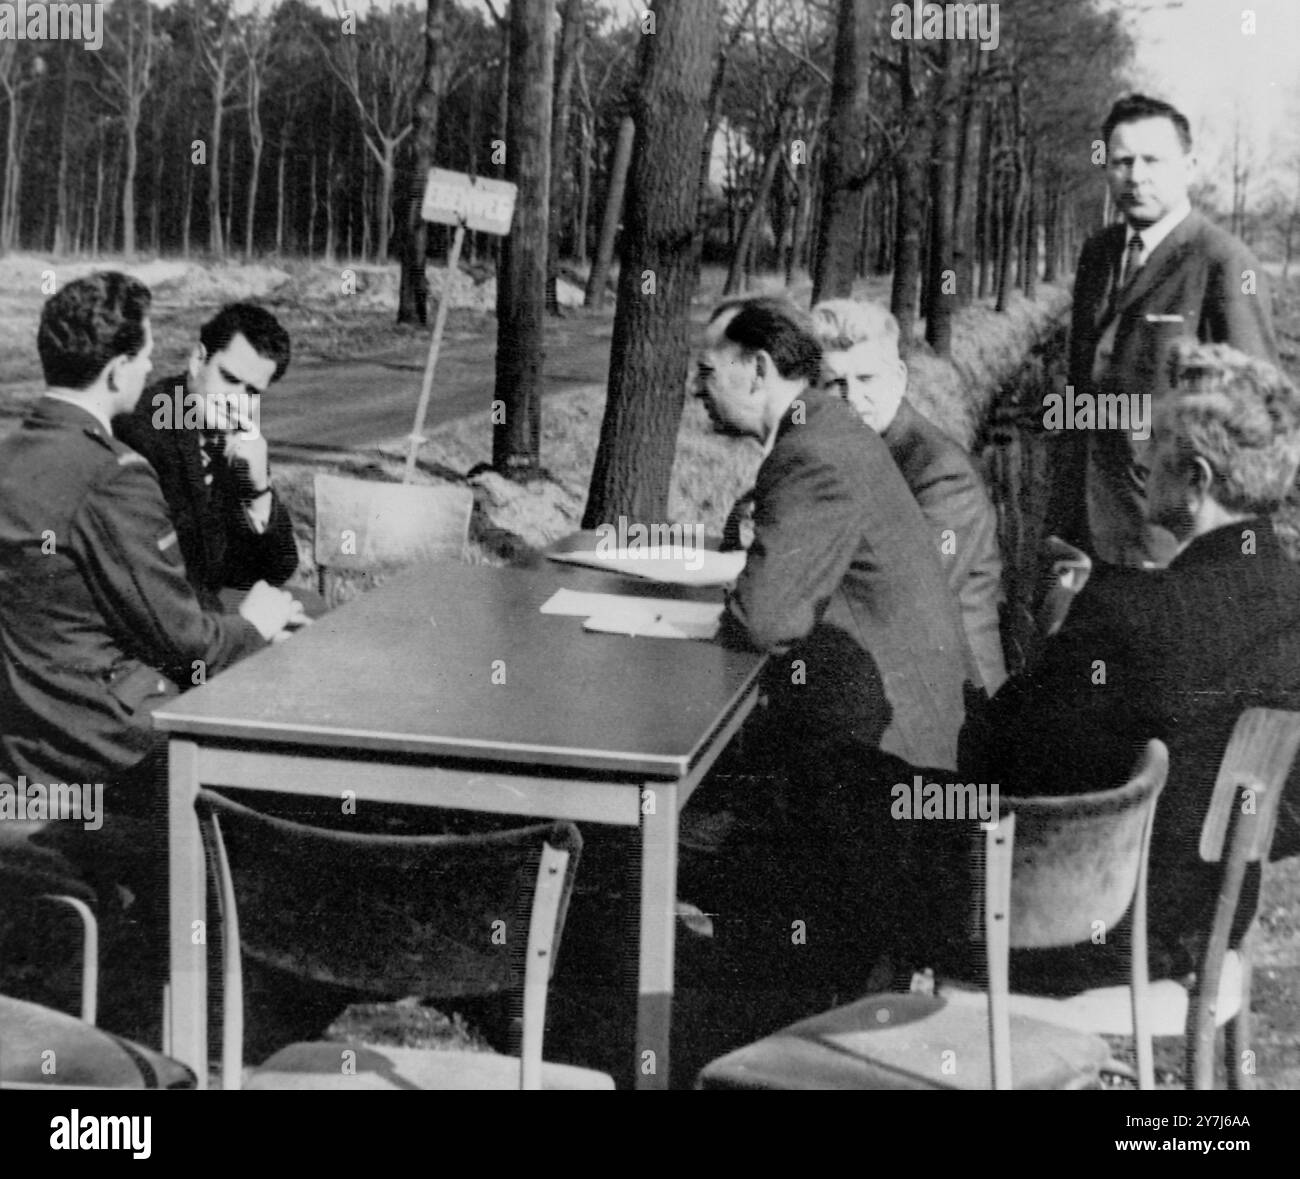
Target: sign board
[453, 198]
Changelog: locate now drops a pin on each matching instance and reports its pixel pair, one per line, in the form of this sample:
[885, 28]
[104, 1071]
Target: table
[446, 687]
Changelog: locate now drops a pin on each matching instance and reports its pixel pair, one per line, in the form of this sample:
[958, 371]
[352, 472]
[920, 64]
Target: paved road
[364, 403]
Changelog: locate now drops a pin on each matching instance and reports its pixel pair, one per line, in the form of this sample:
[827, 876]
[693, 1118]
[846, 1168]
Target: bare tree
[844, 170]
[521, 271]
[214, 38]
[571, 31]
[126, 64]
[650, 348]
[253, 34]
[376, 60]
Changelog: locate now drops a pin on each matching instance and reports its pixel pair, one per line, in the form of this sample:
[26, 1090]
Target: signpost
[467, 202]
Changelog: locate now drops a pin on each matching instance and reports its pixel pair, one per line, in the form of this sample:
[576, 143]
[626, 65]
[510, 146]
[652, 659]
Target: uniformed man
[98, 623]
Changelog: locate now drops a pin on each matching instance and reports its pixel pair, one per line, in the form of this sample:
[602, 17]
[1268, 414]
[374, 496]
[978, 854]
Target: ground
[346, 405]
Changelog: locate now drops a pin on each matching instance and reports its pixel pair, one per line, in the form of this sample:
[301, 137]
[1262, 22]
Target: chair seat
[1108, 1010]
[891, 1041]
[34, 1039]
[320, 1065]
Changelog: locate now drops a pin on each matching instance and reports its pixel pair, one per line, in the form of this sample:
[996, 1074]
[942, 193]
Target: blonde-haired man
[860, 362]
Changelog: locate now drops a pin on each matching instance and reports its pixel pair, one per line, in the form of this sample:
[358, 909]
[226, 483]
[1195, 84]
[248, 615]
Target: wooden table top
[408, 668]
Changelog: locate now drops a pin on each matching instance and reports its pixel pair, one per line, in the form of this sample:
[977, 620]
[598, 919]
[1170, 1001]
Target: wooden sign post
[467, 202]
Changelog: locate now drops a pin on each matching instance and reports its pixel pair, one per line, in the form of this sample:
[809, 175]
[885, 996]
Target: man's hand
[247, 455]
[271, 610]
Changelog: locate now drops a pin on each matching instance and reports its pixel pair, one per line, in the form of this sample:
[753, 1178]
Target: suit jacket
[219, 547]
[952, 497]
[843, 578]
[96, 617]
[1174, 653]
[1195, 272]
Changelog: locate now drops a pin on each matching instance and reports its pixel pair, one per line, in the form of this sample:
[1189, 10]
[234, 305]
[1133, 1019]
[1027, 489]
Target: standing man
[98, 624]
[843, 585]
[1164, 260]
[860, 363]
[201, 433]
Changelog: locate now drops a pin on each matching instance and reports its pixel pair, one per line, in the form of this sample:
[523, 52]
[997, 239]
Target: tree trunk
[521, 273]
[570, 36]
[650, 348]
[279, 199]
[844, 167]
[413, 287]
[216, 246]
[61, 243]
[584, 190]
[983, 199]
[941, 293]
[742, 261]
[1015, 206]
[618, 169]
[909, 208]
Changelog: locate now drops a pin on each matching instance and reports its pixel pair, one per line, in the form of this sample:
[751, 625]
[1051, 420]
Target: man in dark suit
[1176, 653]
[860, 362]
[98, 623]
[870, 667]
[201, 433]
[1134, 280]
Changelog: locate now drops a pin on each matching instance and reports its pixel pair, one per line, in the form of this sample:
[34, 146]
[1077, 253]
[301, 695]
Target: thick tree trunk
[844, 170]
[571, 24]
[650, 349]
[413, 287]
[521, 273]
[618, 169]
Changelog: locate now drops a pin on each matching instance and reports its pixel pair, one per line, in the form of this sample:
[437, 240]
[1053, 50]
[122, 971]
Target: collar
[1154, 234]
[1227, 544]
[786, 419]
[63, 399]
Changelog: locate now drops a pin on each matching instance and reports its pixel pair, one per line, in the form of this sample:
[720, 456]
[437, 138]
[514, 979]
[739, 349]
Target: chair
[30, 872]
[1052, 867]
[438, 916]
[41, 1048]
[364, 526]
[1241, 819]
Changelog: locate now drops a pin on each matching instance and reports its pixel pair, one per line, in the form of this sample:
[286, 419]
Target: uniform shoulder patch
[130, 458]
[167, 540]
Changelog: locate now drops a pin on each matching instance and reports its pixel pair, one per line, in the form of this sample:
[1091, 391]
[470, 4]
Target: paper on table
[642, 618]
[628, 614]
[670, 564]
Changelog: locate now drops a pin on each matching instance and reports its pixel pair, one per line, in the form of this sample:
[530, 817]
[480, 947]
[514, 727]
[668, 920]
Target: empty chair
[437, 916]
[1052, 867]
[1237, 832]
[363, 527]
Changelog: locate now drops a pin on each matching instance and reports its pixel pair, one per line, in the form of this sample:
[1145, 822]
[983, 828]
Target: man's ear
[1200, 476]
[197, 359]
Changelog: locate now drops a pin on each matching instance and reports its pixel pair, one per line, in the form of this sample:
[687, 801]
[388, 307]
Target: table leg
[187, 1025]
[658, 930]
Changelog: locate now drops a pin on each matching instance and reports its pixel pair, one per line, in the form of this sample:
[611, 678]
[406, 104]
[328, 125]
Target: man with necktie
[200, 432]
[1164, 271]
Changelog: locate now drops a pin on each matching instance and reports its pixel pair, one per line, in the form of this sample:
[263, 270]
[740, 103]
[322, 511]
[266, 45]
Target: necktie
[211, 447]
[1132, 260]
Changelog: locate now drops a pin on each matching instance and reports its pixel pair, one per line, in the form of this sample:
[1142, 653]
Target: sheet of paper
[641, 618]
[667, 564]
[627, 614]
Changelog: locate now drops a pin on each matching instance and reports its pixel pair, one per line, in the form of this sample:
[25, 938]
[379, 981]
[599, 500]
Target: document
[670, 564]
[626, 614]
